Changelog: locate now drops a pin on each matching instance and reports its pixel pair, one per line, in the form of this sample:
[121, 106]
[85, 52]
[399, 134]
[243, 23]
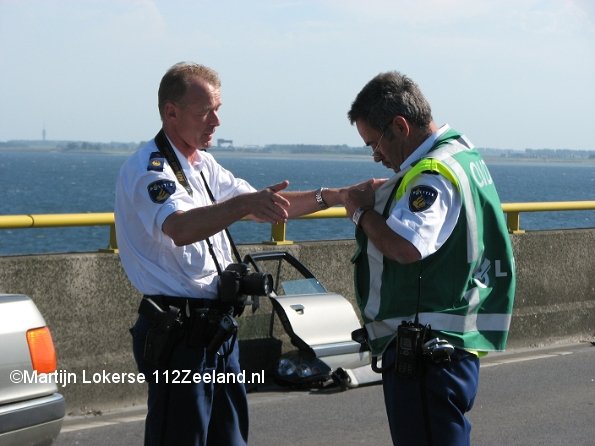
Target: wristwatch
[357, 215]
[318, 195]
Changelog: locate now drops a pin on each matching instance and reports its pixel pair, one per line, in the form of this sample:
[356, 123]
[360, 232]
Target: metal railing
[513, 210]
[63, 220]
[278, 231]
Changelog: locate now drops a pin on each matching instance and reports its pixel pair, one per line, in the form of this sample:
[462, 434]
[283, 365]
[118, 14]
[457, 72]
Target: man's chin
[205, 145]
[384, 163]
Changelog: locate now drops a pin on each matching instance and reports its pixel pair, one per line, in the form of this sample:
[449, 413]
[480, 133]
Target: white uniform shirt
[153, 263]
[428, 229]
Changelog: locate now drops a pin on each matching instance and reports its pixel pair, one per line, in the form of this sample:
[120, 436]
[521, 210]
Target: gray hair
[388, 95]
[176, 80]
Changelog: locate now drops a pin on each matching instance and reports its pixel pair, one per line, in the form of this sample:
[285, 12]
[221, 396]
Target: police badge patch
[161, 190]
[156, 162]
[421, 198]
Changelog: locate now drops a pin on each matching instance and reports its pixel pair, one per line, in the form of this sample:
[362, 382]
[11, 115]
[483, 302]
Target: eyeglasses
[375, 147]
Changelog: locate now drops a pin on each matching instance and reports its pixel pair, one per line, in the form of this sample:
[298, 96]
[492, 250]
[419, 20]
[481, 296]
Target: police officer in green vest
[434, 268]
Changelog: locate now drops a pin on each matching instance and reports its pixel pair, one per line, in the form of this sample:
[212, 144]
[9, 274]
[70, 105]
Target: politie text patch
[421, 198]
[159, 191]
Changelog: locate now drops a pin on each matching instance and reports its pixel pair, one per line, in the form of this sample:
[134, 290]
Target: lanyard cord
[385, 214]
[423, 377]
[231, 242]
[167, 151]
[418, 293]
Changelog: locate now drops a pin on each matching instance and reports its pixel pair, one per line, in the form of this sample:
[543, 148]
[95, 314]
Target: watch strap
[318, 196]
[357, 215]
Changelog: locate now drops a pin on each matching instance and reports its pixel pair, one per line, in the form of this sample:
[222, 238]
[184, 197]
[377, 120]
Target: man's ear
[170, 110]
[400, 125]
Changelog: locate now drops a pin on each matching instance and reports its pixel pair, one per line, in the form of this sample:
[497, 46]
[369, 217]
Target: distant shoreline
[540, 161]
[323, 155]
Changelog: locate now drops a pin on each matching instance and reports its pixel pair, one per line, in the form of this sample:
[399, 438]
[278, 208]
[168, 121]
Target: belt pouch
[226, 328]
[198, 327]
[162, 334]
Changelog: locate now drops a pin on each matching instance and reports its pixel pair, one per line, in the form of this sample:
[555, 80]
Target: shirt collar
[183, 160]
[423, 148]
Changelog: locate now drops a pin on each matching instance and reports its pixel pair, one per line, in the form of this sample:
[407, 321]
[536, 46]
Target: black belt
[182, 302]
[202, 326]
[457, 355]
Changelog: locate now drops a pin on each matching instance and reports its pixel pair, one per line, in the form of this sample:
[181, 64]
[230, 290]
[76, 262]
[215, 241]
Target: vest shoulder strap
[426, 165]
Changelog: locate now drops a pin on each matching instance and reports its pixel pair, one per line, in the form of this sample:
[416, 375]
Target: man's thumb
[279, 186]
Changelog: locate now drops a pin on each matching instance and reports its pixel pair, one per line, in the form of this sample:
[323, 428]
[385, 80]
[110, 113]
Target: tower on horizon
[43, 133]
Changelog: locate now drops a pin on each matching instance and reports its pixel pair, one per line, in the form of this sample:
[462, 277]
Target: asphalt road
[536, 397]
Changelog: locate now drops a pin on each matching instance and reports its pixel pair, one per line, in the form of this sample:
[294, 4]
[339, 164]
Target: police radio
[410, 338]
[414, 345]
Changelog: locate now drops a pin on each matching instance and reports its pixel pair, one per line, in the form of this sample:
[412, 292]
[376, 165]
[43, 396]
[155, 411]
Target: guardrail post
[278, 235]
[113, 243]
[513, 221]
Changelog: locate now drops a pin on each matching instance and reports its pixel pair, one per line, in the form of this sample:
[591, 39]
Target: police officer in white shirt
[173, 203]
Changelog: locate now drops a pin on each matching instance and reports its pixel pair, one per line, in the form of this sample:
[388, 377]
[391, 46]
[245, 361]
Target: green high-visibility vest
[465, 290]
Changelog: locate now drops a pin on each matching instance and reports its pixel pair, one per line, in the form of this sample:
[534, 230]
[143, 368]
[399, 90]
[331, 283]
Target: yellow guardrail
[278, 231]
[63, 220]
[513, 210]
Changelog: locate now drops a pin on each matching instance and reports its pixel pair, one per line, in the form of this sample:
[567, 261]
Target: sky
[510, 74]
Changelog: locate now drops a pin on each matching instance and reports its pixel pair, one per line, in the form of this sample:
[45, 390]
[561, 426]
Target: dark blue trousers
[192, 414]
[430, 410]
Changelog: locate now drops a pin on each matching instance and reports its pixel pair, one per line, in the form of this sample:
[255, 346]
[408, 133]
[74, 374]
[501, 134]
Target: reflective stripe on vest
[442, 162]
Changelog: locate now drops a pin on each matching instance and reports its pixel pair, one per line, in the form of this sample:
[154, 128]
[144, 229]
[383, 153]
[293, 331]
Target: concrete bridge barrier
[89, 306]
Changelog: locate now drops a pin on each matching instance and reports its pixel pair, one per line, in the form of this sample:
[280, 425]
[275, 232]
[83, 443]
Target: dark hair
[176, 80]
[388, 95]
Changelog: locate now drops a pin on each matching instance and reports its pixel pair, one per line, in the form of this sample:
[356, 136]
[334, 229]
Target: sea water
[58, 182]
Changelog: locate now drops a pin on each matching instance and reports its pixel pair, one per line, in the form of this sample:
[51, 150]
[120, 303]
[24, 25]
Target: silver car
[31, 409]
[319, 324]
